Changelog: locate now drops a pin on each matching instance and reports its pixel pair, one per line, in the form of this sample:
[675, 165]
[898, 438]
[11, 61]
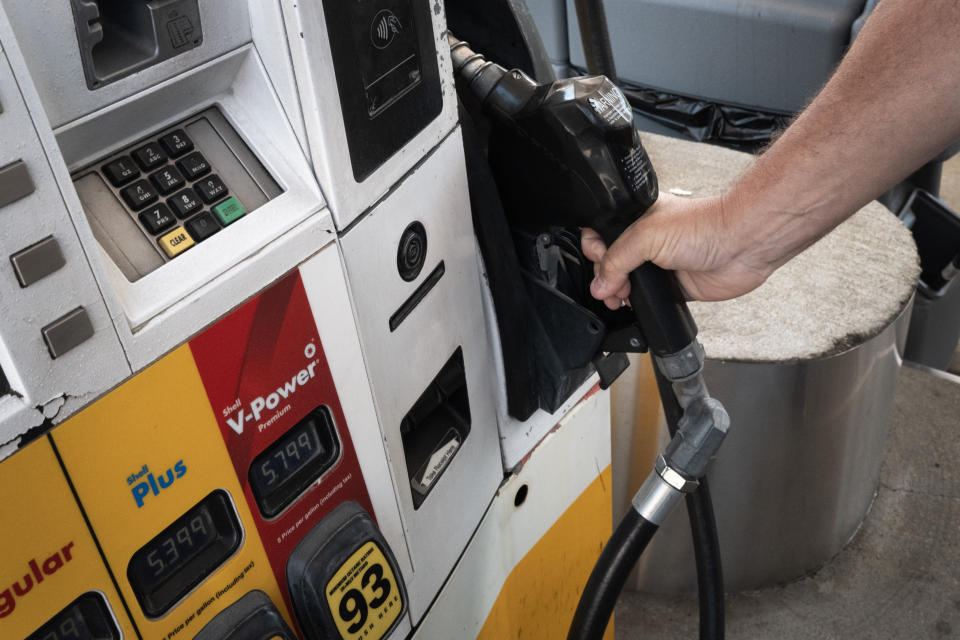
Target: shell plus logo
[385, 28]
[153, 484]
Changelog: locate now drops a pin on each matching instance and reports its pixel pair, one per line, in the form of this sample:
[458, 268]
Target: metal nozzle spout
[481, 75]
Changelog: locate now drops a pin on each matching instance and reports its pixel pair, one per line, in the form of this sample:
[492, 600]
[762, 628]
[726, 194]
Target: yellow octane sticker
[363, 595]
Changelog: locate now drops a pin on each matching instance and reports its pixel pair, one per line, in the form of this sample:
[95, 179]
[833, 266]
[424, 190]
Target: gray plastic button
[37, 261]
[15, 183]
[67, 332]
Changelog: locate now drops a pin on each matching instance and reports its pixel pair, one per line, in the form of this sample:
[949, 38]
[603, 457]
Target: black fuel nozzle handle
[566, 154]
[661, 310]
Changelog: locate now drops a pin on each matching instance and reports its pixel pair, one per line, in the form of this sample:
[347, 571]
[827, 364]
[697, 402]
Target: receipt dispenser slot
[435, 428]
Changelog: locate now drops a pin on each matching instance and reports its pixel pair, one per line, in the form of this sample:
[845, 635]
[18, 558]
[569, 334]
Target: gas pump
[250, 383]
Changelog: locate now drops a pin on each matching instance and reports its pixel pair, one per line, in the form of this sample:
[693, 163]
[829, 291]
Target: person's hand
[693, 237]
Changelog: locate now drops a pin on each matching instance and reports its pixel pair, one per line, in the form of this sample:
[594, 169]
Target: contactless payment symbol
[386, 26]
[363, 595]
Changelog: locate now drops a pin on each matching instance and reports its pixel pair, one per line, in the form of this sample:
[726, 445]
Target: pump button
[15, 183]
[67, 332]
[167, 179]
[139, 194]
[412, 252]
[149, 156]
[37, 261]
[175, 242]
[184, 203]
[230, 210]
[120, 171]
[202, 226]
[211, 189]
[157, 218]
[194, 165]
[176, 143]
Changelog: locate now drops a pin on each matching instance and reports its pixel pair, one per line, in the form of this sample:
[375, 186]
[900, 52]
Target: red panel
[252, 364]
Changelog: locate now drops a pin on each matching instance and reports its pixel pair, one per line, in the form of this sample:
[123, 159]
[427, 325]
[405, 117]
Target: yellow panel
[160, 424]
[541, 593]
[645, 445]
[47, 556]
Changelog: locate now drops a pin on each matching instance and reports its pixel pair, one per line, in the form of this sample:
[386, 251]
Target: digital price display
[291, 464]
[86, 618]
[184, 554]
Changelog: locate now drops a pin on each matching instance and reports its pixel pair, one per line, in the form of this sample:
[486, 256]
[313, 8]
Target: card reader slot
[120, 37]
[434, 429]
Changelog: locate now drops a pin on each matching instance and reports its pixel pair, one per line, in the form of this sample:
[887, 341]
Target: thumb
[631, 249]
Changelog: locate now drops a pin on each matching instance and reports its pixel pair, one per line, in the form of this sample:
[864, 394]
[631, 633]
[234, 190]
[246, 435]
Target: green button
[228, 211]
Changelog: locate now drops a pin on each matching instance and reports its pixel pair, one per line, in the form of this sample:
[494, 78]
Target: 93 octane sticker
[363, 595]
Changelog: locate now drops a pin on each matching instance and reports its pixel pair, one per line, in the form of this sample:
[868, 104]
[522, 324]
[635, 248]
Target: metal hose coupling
[701, 431]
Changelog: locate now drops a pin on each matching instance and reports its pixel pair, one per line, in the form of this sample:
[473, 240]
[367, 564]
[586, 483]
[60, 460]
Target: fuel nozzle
[566, 153]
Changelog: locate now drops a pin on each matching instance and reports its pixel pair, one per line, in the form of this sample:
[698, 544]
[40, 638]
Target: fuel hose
[602, 178]
[612, 568]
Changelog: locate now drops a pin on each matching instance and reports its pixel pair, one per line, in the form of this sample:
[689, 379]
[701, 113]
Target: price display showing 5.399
[363, 595]
[181, 556]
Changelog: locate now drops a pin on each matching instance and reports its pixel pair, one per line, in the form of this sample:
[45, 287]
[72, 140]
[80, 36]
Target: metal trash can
[807, 366]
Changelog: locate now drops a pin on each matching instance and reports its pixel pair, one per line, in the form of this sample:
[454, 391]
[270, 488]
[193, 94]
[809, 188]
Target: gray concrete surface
[899, 578]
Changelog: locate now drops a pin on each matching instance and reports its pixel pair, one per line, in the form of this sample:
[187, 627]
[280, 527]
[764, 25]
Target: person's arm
[891, 106]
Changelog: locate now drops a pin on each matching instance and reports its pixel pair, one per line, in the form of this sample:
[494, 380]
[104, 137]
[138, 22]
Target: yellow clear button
[176, 242]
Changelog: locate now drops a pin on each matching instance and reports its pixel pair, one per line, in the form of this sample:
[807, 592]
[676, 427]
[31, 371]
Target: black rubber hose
[596, 38]
[703, 529]
[609, 575]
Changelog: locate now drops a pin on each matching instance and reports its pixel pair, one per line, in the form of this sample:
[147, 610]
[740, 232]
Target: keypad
[165, 180]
